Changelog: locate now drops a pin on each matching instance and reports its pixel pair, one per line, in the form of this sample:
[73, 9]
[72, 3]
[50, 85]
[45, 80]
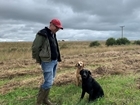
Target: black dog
[91, 86]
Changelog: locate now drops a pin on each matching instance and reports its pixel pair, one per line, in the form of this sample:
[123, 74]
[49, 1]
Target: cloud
[82, 20]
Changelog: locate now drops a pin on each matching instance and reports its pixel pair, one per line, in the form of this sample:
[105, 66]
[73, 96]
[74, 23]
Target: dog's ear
[76, 65]
[89, 72]
[83, 64]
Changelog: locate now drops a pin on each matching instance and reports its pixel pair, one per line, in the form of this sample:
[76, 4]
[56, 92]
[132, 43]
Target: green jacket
[41, 50]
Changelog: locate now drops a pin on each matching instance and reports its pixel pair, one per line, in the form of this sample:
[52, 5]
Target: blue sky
[20, 20]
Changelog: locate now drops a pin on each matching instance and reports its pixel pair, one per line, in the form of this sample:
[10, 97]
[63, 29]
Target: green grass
[3, 81]
[119, 90]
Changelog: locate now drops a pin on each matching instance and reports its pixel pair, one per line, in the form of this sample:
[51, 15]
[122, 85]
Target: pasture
[116, 68]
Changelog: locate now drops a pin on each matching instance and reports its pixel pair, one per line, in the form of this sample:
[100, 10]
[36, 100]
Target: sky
[82, 20]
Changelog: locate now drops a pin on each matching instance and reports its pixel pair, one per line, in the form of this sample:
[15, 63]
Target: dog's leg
[77, 81]
[91, 96]
[82, 95]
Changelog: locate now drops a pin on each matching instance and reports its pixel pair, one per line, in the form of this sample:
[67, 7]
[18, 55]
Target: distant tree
[122, 41]
[94, 43]
[110, 41]
[137, 42]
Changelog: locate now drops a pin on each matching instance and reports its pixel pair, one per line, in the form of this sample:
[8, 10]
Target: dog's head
[85, 73]
[80, 65]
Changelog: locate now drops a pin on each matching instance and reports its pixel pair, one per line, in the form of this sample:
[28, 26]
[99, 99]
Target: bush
[94, 43]
[137, 42]
[110, 41]
[122, 41]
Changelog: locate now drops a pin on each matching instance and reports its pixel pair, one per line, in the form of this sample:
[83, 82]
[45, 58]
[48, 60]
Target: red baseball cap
[57, 23]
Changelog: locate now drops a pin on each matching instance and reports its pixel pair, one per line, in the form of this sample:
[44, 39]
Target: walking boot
[40, 97]
[46, 100]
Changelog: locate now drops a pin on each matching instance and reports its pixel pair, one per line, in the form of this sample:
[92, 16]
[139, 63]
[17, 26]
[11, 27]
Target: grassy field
[116, 68]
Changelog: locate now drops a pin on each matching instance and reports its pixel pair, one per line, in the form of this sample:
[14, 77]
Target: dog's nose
[84, 76]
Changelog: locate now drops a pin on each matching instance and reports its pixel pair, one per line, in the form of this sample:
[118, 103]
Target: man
[46, 52]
